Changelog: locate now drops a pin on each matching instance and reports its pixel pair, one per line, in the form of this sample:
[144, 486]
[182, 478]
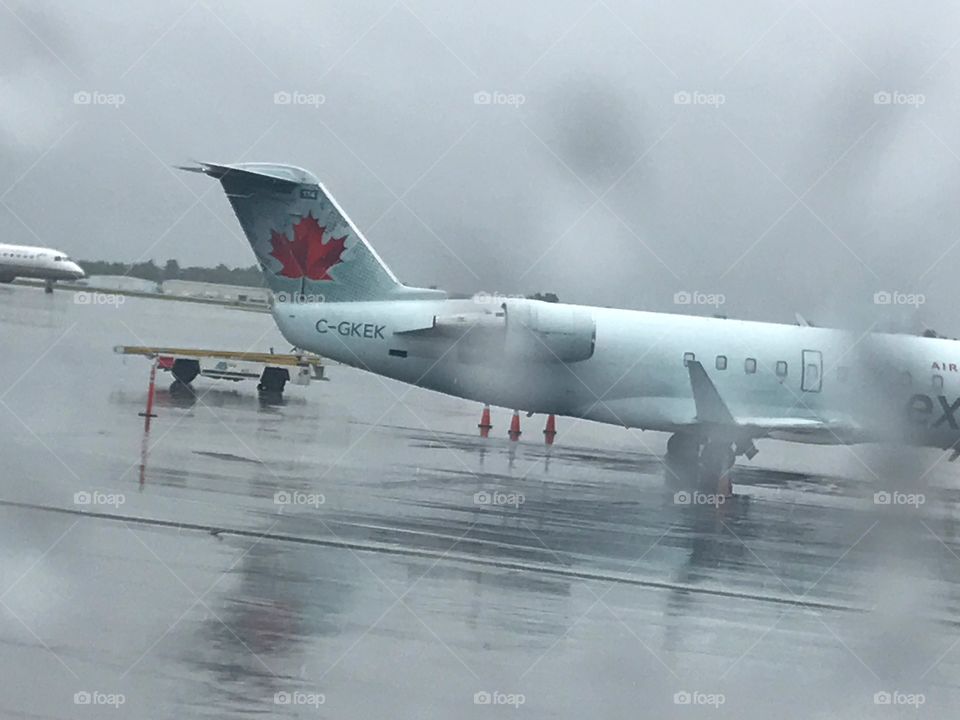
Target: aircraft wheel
[681, 463]
[716, 461]
[273, 380]
[683, 447]
[185, 370]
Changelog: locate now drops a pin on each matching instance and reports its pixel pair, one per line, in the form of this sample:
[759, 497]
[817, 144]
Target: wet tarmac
[358, 551]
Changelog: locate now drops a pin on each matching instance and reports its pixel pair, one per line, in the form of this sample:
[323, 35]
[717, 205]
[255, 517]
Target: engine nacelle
[548, 332]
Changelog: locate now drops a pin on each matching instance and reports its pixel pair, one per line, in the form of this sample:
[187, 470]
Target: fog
[750, 159]
[783, 185]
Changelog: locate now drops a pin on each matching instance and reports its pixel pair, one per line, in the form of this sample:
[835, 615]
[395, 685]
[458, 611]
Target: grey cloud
[494, 196]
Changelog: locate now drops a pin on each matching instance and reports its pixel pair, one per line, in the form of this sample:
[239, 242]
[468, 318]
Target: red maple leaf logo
[307, 255]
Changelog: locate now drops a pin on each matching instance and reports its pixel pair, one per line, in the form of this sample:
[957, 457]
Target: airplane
[716, 385]
[37, 262]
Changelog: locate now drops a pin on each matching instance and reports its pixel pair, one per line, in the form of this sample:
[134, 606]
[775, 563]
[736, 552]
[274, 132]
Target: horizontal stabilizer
[264, 171]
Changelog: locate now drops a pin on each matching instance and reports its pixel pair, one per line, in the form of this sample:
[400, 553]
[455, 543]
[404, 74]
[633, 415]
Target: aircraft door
[812, 375]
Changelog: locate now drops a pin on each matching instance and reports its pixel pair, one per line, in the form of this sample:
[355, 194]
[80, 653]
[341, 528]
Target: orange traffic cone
[514, 432]
[550, 431]
[485, 425]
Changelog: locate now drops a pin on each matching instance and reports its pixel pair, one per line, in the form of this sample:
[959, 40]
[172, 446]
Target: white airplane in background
[717, 385]
[37, 262]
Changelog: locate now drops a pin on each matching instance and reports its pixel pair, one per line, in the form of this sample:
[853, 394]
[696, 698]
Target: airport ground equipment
[272, 370]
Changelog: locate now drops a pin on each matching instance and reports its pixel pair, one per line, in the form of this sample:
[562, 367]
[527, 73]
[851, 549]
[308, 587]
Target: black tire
[185, 371]
[273, 380]
[683, 447]
[716, 460]
[681, 465]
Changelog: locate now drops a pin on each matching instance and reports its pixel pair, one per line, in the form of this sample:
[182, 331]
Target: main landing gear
[700, 462]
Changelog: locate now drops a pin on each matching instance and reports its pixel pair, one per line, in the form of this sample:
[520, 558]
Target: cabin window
[721, 362]
[688, 357]
[750, 366]
[781, 368]
[938, 382]
[813, 373]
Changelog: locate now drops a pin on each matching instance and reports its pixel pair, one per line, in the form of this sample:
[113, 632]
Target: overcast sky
[635, 149]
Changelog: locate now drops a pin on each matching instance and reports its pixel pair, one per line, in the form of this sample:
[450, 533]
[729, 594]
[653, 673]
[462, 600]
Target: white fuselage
[849, 388]
[36, 262]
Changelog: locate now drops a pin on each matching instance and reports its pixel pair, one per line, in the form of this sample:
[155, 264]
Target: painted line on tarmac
[383, 548]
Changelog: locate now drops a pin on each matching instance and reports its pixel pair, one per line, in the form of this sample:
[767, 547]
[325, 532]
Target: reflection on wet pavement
[345, 555]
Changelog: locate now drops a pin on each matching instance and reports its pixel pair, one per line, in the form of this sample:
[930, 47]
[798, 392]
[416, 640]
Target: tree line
[171, 270]
[221, 274]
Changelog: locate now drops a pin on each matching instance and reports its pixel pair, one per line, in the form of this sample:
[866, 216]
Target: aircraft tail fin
[307, 247]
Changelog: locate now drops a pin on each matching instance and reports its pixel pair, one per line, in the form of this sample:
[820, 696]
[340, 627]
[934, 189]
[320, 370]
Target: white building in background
[213, 291]
[120, 283]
